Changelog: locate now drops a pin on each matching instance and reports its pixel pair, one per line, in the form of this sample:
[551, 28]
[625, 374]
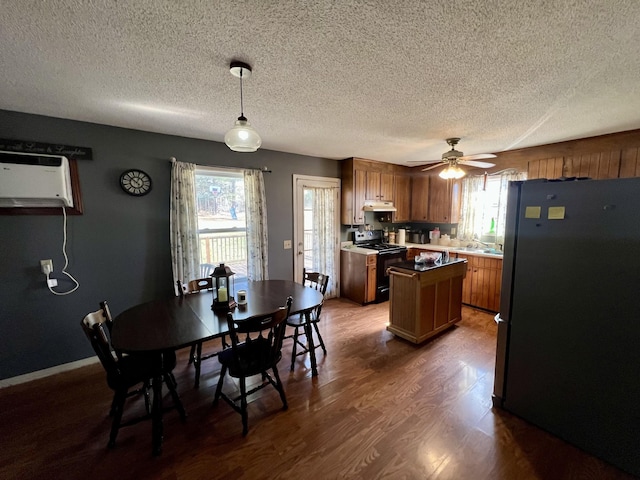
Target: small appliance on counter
[434, 236]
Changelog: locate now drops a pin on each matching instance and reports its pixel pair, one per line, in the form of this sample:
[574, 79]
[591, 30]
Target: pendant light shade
[242, 137]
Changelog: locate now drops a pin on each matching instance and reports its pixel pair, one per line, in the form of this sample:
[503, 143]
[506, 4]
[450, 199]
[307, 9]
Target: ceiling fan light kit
[452, 172]
[242, 137]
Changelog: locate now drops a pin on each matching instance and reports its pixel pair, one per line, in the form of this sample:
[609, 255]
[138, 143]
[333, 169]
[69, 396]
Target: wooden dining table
[172, 323]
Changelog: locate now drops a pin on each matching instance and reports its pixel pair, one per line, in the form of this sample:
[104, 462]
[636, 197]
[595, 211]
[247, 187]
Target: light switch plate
[287, 244]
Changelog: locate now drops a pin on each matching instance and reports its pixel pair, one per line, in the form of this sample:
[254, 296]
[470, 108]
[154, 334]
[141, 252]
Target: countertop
[425, 267]
[425, 246]
[480, 252]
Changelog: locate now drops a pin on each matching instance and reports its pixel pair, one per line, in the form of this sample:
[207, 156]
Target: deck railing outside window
[225, 246]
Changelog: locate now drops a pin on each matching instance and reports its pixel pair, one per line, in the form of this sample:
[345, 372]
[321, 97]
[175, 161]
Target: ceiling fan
[453, 158]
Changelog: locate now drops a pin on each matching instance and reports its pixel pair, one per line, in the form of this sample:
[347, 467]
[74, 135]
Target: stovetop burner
[373, 239]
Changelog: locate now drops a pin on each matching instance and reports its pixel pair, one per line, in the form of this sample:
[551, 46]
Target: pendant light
[242, 137]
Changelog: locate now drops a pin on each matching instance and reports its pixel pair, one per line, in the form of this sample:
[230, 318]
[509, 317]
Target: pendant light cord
[241, 98]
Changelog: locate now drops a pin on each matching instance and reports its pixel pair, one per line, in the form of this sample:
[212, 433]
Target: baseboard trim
[27, 377]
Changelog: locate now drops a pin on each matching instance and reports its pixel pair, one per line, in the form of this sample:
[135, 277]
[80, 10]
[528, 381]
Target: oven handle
[396, 272]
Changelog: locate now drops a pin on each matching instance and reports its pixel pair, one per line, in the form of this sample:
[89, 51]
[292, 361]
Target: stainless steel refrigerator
[568, 349]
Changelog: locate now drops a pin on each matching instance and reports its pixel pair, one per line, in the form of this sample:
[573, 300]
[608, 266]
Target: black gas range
[373, 239]
[388, 255]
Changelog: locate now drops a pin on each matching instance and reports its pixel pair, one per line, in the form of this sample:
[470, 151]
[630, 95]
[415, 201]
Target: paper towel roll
[402, 233]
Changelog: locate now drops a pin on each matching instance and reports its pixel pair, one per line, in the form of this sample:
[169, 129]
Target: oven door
[385, 260]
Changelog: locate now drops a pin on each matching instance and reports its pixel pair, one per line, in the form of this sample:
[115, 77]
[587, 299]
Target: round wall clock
[135, 182]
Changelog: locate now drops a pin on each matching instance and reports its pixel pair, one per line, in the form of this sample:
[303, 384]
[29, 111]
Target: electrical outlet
[46, 266]
[287, 244]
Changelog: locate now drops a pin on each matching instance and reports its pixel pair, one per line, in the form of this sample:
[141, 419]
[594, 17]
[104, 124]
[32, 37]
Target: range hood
[378, 207]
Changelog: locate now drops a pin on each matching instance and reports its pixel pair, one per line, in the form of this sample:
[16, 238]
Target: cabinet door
[486, 280]
[371, 278]
[440, 201]
[402, 198]
[386, 187]
[420, 198]
[372, 186]
[359, 189]
[467, 282]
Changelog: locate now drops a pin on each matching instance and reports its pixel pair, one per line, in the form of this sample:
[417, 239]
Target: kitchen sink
[492, 251]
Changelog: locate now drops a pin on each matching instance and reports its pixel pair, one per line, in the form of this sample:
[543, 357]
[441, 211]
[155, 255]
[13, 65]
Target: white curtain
[505, 178]
[471, 208]
[256, 216]
[324, 235]
[474, 205]
[185, 245]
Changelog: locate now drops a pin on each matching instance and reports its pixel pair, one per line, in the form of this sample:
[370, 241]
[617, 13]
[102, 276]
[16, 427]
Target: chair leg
[197, 361]
[295, 347]
[147, 397]
[170, 380]
[192, 354]
[112, 410]
[243, 406]
[223, 371]
[119, 398]
[324, 350]
[280, 388]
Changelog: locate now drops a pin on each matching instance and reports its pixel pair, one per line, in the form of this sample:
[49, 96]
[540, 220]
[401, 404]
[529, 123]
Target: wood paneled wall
[605, 156]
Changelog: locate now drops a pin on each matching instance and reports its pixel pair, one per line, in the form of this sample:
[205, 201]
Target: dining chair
[206, 269]
[318, 281]
[251, 355]
[195, 355]
[124, 372]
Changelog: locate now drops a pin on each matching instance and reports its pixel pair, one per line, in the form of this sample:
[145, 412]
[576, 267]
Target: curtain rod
[264, 169]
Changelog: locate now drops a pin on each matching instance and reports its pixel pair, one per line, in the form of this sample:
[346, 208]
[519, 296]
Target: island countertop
[425, 267]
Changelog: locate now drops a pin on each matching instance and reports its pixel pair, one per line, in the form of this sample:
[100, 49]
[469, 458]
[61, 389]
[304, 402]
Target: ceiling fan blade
[440, 164]
[424, 162]
[473, 163]
[477, 156]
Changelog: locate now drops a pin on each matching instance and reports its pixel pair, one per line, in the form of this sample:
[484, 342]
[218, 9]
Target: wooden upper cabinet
[360, 179]
[402, 198]
[420, 198]
[372, 181]
[353, 193]
[379, 186]
[440, 200]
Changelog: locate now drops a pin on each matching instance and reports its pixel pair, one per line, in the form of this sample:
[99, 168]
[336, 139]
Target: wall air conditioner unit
[34, 180]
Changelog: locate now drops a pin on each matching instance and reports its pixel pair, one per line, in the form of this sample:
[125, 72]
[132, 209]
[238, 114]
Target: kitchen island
[425, 299]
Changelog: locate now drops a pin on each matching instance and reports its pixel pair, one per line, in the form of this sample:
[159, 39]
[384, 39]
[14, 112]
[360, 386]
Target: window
[484, 202]
[222, 228]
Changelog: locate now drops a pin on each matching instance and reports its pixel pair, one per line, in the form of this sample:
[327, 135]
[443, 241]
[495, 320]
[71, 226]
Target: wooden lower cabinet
[481, 286]
[422, 304]
[372, 273]
[358, 276]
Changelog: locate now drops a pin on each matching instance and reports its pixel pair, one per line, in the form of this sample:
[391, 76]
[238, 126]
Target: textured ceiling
[380, 79]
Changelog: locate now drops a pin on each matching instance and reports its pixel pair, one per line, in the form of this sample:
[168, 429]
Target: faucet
[475, 239]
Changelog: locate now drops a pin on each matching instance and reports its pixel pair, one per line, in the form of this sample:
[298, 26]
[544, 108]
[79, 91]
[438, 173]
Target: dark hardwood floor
[380, 408]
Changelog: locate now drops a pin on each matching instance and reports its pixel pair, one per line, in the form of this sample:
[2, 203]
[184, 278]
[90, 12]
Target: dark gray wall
[119, 248]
